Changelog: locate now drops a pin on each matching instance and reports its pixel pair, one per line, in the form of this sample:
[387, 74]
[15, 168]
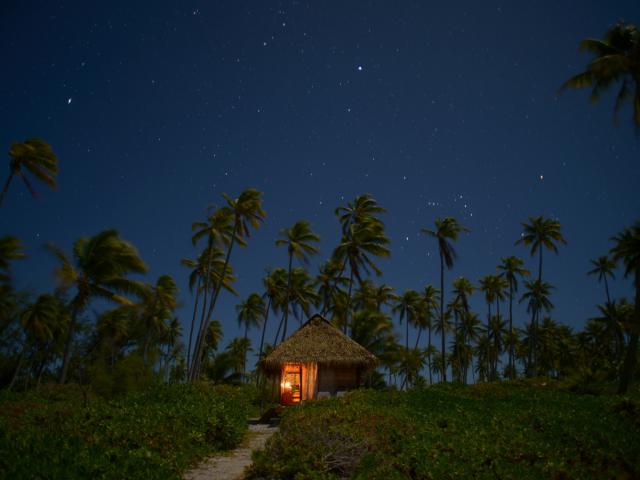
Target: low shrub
[69, 433]
[507, 431]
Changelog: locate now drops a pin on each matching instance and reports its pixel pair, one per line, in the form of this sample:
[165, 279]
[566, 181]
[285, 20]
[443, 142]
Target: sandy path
[230, 466]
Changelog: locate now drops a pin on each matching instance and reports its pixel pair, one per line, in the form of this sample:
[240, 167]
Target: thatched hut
[317, 361]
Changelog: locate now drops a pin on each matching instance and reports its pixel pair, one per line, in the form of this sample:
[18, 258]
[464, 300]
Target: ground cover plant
[512, 430]
[68, 433]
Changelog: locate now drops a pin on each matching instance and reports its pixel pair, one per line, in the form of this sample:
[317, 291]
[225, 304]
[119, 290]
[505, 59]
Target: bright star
[359, 68]
[69, 101]
[541, 177]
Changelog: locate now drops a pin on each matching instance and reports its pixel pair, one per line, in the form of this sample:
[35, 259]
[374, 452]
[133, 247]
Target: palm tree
[39, 323]
[218, 230]
[158, 303]
[363, 240]
[541, 232]
[206, 271]
[616, 61]
[511, 268]
[328, 279]
[302, 293]
[275, 284]
[496, 333]
[430, 296]
[406, 307]
[603, 266]
[447, 231]
[10, 250]
[363, 209]
[470, 331]
[488, 285]
[249, 314]
[247, 212]
[462, 290]
[298, 240]
[537, 296]
[627, 250]
[99, 270]
[35, 157]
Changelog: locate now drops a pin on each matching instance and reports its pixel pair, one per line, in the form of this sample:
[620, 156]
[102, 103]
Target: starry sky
[156, 108]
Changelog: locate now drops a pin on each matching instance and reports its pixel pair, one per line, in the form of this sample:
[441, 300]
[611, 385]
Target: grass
[61, 433]
[505, 431]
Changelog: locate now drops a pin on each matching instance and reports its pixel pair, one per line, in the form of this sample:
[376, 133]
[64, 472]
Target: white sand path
[231, 465]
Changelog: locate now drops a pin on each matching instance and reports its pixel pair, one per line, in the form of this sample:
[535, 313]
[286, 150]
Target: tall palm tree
[488, 285]
[616, 61]
[247, 212]
[99, 270]
[447, 231]
[217, 229]
[406, 307]
[206, 271]
[298, 240]
[603, 266]
[363, 240]
[35, 157]
[541, 233]
[511, 268]
[537, 296]
[250, 312]
[626, 249]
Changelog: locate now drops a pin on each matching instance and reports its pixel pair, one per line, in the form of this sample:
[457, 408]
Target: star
[69, 101]
[359, 68]
[541, 177]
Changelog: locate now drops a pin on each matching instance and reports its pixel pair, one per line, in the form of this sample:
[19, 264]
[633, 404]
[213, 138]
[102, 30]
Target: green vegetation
[509, 431]
[63, 432]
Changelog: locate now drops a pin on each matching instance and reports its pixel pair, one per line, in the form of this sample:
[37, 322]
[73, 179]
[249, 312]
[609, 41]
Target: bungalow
[317, 361]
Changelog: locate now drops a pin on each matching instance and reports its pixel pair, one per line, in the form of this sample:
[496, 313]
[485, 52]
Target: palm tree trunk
[606, 289]
[488, 332]
[193, 319]
[205, 298]
[19, 366]
[201, 336]
[418, 337]
[346, 320]
[443, 333]
[6, 187]
[286, 303]
[275, 340]
[67, 345]
[511, 372]
[429, 358]
[628, 366]
[264, 327]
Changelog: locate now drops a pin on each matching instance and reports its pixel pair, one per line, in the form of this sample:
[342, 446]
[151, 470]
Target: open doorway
[291, 384]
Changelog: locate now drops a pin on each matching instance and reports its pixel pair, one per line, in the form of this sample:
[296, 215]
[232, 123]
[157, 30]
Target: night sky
[156, 109]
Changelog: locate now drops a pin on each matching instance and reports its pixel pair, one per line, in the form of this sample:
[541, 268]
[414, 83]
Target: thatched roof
[319, 341]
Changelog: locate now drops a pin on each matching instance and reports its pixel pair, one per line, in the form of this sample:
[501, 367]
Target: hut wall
[335, 379]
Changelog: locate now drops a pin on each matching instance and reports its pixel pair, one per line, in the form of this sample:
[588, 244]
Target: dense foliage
[510, 430]
[68, 433]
